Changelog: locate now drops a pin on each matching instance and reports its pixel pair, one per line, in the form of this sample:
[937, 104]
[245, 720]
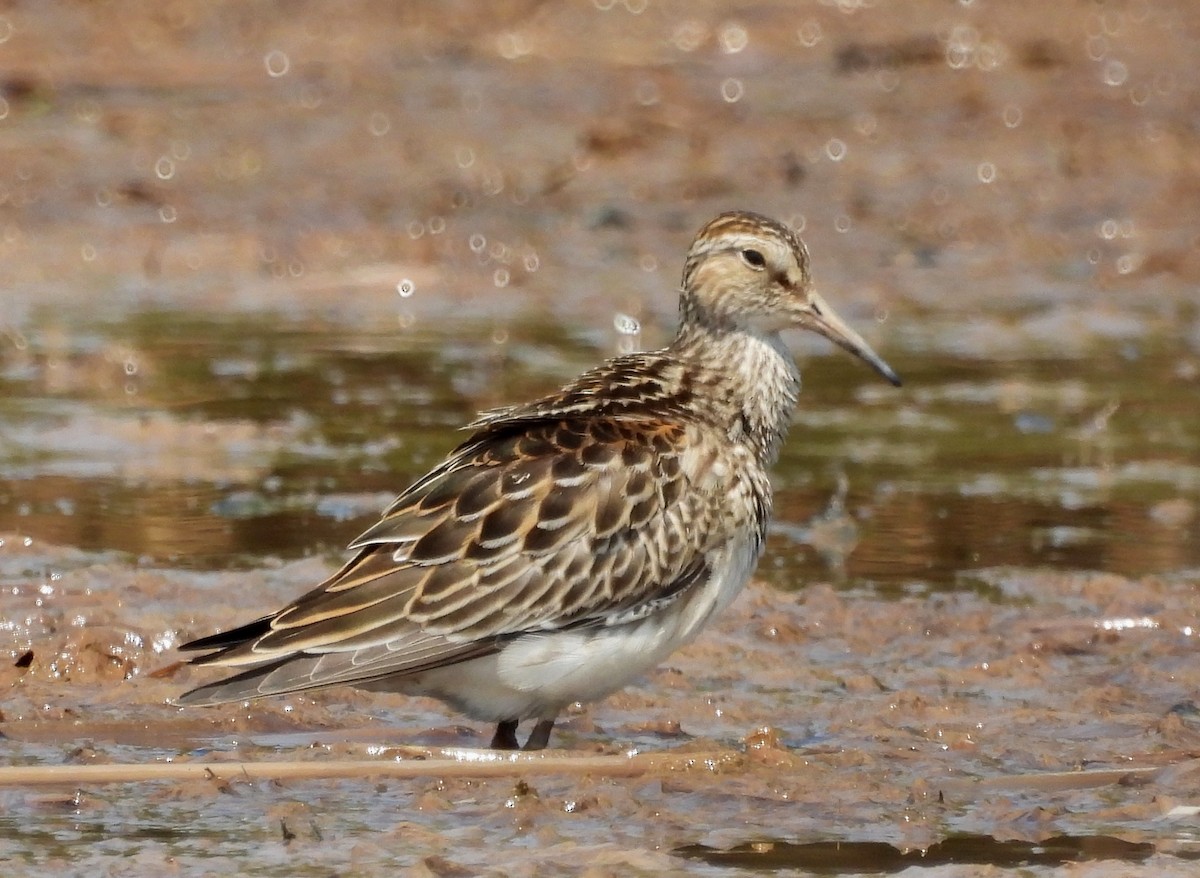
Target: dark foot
[506, 736]
[539, 738]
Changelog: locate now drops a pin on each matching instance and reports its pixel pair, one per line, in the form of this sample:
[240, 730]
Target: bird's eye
[754, 259]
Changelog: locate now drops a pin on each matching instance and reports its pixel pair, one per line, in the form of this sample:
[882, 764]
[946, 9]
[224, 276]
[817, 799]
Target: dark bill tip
[826, 322]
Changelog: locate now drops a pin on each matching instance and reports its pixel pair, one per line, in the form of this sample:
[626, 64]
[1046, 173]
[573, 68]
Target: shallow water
[257, 268]
[258, 437]
[214, 443]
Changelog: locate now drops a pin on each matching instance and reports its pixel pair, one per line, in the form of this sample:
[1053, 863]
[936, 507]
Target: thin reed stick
[460, 764]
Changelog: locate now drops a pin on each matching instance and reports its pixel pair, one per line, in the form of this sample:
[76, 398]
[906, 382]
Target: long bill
[824, 320]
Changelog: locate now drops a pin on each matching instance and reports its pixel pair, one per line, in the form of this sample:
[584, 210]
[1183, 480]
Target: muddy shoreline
[258, 263]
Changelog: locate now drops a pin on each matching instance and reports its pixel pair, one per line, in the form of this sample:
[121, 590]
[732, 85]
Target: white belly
[537, 675]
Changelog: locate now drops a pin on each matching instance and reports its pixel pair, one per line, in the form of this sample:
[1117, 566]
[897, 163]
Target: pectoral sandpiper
[571, 543]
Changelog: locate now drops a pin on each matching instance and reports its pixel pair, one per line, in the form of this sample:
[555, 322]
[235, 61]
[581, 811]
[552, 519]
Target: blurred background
[255, 257]
[259, 261]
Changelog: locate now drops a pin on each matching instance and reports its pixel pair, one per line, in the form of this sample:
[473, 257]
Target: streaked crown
[743, 267]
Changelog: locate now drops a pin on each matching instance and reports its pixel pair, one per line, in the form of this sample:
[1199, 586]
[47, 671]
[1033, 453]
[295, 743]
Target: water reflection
[238, 433]
[848, 857]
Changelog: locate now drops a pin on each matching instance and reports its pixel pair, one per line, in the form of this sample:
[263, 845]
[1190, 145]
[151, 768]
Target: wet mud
[258, 263]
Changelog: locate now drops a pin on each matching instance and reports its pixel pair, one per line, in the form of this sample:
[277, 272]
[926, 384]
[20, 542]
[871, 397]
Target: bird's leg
[539, 738]
[506, 736]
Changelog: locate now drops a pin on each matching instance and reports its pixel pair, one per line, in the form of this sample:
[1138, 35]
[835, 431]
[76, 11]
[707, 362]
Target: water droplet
[499, 335]
[88, 111]
[809, 33]
[732, 90]
[277, 63]
[27, 542]
[989, 56]
[513, 45]
[532, 262]
[6, 30]
[732, 38]
[181, 150]
[3, 108]
[646, 93]
[648, 263]
[1093, 255]
[164, 168]
[625, 324]
[88, 252]
[416, 229]
[887, 79]
[1115, 73]
[1108, 229]
[130, 367]
[406, 288]
[1097, 48]
[689, 36]
[1128, 263]
[436, 225]
[835, 149]
[379, 124]
[986, 172]
[841, 223]
[477, 242]
[636, 7]
[167, 214]
[1012, 116]
[500, 277]
[962, 46]
[865, 124]
[798, 221]
[604, 5]
[103, 197]
[492, 182]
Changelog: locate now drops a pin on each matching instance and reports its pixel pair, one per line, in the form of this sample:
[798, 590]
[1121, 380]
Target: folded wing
[528, 526]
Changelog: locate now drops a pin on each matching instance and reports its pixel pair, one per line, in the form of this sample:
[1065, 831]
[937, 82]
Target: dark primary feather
[232, 637]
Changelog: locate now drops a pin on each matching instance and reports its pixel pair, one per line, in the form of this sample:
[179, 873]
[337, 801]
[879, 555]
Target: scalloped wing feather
[536, 525]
